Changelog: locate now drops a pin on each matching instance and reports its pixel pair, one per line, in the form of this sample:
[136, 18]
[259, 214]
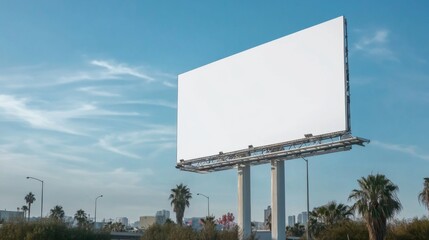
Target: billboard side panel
[346, 78]
[272, 93]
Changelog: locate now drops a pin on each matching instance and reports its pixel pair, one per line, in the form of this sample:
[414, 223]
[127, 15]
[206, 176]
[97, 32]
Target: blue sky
[88, 101]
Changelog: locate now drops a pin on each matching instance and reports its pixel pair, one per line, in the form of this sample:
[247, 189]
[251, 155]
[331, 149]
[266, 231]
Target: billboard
[275, 92]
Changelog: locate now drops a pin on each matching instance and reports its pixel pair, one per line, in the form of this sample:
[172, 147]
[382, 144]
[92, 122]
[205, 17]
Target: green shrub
[416, 229]
[176, 232]
[352, 230]
[168, 232]
[47, 230]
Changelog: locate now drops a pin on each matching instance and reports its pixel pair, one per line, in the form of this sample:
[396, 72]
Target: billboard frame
[305, 147]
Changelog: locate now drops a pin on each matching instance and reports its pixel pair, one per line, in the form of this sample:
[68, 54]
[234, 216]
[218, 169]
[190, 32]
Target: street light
[208, 203]
[308, 203]
[95, 213]
[41, 205]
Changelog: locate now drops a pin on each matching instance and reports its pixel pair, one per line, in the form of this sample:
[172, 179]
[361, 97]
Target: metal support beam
[255, 155]
[244, 212]
[278, 218]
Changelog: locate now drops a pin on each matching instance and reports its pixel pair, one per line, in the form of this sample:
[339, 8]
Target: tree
[29, 199]
[376, 201]
[227, 221]
[24, 209]
[424, 195]
[169, 221]
[296, 230]
[180, 197]
[325, 216]
[57, 213]
[208, 221]
[114, 227]
[81, 218]
[332, 213]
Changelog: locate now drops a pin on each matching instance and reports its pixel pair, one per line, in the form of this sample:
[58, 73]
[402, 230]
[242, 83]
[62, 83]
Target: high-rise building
[123, 220]
[162, 216]
[267, 214]
[291, 221]
[302, 218]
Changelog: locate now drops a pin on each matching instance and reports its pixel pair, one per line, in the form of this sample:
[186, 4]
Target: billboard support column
[278, 221]
[244, 219]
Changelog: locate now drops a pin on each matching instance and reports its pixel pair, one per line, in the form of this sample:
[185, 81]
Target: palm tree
[24, 209]
[332, 213]
[376, 201]
[29, 199]
[208, 221]
[328, 215]
[296, 230]
[81, 218]
[180, 197]
[424, 195]
[114, 227]
[57, 213]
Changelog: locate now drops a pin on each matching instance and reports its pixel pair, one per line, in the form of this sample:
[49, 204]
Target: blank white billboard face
[272, 93]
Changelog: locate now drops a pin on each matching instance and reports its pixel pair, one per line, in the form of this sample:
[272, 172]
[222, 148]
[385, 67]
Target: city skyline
[88, 101]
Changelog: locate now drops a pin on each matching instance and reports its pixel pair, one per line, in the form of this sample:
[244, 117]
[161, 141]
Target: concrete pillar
[278, 209]
[244, 213]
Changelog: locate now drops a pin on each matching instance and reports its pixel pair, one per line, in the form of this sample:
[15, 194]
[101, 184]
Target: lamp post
[95, 212]
[208, 203]
[308, 203]
[41, 205]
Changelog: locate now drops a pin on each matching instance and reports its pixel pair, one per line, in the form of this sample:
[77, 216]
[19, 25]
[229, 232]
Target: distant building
[123, 220]
[302, 218]
[162, 216]
[136, 224]
[258, 226]
[99, 225]
[147, 221]
[291, 221]
[194, 222]
[267, 215]
[9, 216]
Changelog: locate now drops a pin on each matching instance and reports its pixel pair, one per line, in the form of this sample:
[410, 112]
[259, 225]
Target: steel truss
[305, 147]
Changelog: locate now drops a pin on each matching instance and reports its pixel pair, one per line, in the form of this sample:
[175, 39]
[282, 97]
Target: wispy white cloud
[154, 102]
[153, 134]
[107, 143]
[378, 37]
[98, 70]
[17, 109]
[121, 69]
[87, 110]
[410, 150]
[81, 76]
[155, 137]
[169, 84]
[375, 44]
[97, 92]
